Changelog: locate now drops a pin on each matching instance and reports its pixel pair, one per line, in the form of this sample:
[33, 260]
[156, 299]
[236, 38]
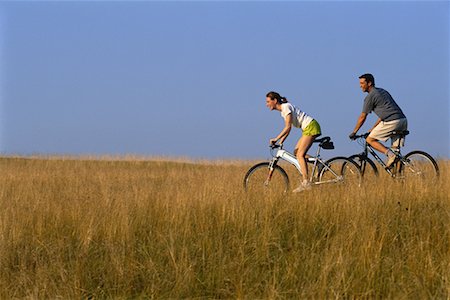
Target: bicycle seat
[325, 138]
[325, 143]
[401, 133]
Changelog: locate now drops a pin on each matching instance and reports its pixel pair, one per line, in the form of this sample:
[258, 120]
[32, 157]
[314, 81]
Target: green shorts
[313, 128]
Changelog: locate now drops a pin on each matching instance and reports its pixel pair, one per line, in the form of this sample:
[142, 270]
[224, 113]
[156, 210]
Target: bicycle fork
[272, 165]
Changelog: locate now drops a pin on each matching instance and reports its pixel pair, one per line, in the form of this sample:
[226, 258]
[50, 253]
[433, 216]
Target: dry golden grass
[140, 229]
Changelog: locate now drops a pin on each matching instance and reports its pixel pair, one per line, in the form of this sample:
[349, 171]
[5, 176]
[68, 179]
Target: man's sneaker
[391, 158]
[306, 185]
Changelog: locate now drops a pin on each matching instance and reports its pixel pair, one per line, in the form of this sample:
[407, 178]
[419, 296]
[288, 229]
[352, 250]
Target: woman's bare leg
[303, 145]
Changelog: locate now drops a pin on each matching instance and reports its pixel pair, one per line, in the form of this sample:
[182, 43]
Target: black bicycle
[415, 164]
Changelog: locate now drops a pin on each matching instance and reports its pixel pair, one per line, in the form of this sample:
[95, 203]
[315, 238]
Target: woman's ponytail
[275, 96]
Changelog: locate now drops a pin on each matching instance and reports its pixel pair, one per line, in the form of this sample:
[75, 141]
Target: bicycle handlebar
[275, 146]
[361, 136]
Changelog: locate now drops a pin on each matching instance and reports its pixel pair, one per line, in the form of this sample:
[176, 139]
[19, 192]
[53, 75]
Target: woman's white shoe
[304, 186]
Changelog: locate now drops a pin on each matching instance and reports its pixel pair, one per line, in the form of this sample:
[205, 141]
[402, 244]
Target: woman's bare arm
[285, 132]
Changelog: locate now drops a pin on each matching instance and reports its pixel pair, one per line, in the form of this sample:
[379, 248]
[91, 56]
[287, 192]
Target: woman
[293, 116]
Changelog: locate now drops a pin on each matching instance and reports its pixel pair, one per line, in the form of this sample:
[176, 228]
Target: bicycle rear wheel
[341, 170]
[258, 179]
[419, 165]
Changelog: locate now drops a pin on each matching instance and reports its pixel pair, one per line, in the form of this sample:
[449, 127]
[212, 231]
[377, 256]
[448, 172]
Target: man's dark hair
[369, 78]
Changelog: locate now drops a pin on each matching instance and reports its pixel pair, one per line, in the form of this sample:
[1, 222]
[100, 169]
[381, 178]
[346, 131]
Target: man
[390, 118]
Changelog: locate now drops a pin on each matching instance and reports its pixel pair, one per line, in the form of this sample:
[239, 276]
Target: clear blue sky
[190, 78]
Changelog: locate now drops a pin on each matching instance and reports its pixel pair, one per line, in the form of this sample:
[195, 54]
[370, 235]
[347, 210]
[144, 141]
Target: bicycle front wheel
[419, 165]
[341, 170]
[367, 166]
[260, 179]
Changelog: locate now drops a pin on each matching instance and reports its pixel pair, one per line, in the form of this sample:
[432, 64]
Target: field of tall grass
[74, 228]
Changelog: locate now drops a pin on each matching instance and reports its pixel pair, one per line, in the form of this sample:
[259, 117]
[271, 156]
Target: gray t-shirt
[382, 103]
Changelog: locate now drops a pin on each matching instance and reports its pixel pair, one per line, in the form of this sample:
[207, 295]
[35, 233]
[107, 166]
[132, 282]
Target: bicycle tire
[345, 171]
[366, 165]
[419, 165]
[256, 176]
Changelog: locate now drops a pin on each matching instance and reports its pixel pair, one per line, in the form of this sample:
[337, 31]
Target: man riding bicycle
[390, 118]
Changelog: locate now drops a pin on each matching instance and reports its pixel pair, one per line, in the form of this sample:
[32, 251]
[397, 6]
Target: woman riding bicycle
[293, 116]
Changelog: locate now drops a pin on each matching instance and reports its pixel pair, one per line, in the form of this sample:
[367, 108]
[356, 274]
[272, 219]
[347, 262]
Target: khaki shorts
[383, 131]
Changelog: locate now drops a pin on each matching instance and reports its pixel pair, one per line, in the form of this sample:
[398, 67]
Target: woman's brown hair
[275, 96]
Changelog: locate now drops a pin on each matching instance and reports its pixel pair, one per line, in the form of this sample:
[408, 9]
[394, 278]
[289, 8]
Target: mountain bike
[416, 164]
[270, 176]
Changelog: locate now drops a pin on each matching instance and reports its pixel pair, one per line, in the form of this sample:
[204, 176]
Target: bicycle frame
[369, 149]
[292, 159]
